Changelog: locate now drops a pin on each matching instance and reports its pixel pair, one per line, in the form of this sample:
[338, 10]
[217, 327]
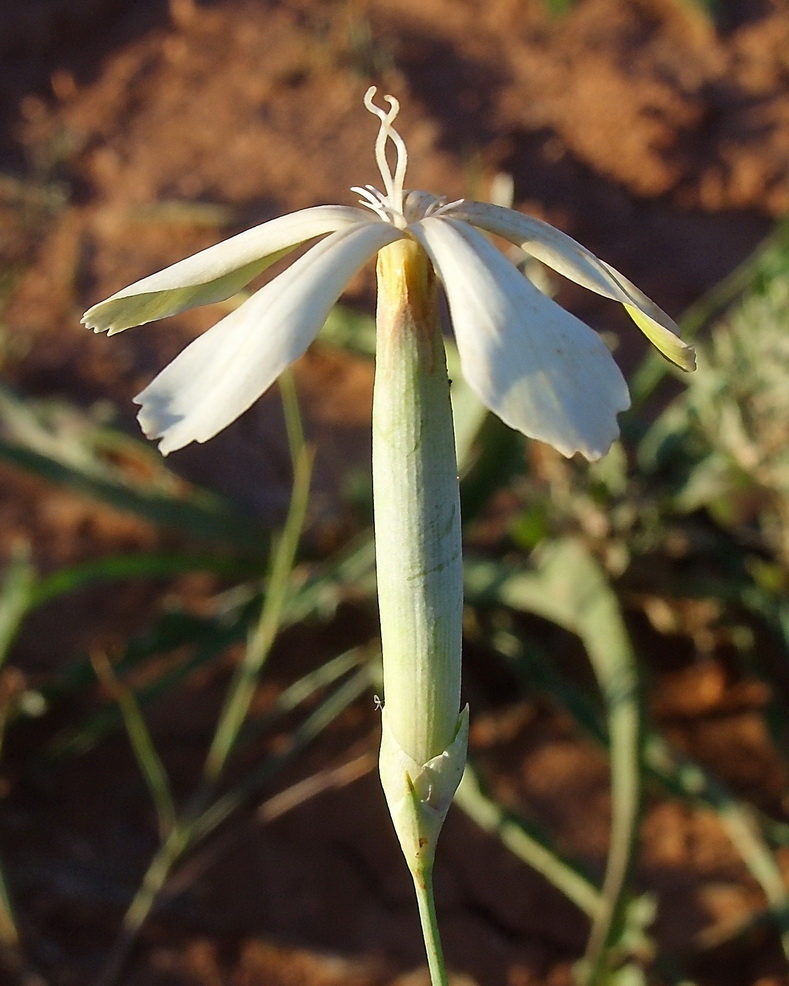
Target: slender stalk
[427, 915]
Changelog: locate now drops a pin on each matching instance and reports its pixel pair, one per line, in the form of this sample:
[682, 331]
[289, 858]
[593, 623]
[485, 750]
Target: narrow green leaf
[570, 589]
[772, 252]
[64, 445]
[17, 594]
[525, 842]
[151, 565]
[151, 767]
[283, 559]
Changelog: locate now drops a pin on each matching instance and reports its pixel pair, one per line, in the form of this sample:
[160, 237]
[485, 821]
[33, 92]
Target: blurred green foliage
[709, 8]
[692, 506]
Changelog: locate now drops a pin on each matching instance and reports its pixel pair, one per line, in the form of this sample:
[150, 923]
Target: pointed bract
[419, 795]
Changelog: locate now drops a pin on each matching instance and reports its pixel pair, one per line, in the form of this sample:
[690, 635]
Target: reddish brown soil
[659, 140]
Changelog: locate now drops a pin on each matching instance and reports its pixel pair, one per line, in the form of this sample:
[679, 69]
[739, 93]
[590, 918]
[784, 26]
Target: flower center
[395, 205]
[388, 204]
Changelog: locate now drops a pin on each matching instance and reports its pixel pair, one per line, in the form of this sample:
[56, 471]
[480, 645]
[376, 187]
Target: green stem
[425, 899]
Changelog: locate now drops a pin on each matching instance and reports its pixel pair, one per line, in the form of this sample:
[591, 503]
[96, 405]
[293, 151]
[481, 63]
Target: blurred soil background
[135, 133]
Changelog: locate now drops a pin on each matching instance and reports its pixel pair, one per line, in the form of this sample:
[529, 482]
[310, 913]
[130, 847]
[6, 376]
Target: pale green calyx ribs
[418, 552]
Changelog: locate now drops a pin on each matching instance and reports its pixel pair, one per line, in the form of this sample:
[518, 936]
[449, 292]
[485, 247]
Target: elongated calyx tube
[418, 551]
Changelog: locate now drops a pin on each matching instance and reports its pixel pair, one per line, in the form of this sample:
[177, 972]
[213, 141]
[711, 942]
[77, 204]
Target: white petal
[539, 368]
[217, 272]
[219, 375]
[565, 255]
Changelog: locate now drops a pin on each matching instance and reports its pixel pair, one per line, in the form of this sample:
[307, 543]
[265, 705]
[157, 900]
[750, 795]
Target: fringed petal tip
[111, 316]
[666, 341]
[158, 422]
[92, 320]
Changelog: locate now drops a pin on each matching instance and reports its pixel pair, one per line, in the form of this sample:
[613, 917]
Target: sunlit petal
[562, 253]
[219, 375]
[217, 272]
[536, 366]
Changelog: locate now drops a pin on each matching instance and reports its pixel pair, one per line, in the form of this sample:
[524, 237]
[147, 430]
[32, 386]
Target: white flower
[539, 368]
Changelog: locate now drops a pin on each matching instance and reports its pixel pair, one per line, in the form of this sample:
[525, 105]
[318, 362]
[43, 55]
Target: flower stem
[423, 885]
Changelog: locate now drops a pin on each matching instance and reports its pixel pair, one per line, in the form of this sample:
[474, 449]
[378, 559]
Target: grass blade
[63, 445]
[569, 588]
[17, 595]
[525, 843]
[282, 562]
[151, 767]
